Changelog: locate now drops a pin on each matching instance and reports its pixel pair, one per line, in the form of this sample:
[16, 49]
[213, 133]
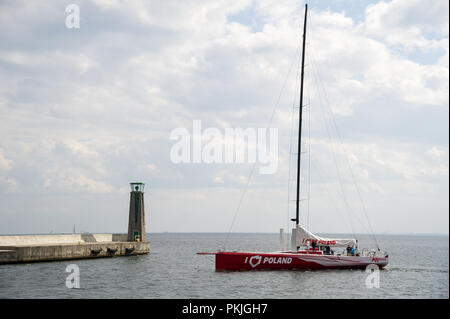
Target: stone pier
[34, 248]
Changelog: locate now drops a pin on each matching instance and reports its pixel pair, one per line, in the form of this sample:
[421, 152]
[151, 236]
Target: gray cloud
[85, 111]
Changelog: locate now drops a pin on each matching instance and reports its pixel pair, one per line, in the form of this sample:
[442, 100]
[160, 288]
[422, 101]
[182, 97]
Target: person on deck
[313, 245]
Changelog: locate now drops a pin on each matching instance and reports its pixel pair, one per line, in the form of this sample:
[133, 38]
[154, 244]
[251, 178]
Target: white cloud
[87, 111]
[5, 164]
[7, 184]
[85, 184]
[407, 22]
[439, 154]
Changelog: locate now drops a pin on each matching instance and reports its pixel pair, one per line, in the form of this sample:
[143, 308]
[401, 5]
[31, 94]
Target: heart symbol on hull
[254, 261]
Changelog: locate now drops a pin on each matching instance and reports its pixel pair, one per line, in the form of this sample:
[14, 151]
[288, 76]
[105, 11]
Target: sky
[84, 111]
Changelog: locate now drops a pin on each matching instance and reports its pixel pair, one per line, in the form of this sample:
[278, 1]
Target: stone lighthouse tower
[136, 220]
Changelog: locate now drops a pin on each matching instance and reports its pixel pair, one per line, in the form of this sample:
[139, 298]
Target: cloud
[86, 111]
[5, 164]
[438, 154]
[407, 23]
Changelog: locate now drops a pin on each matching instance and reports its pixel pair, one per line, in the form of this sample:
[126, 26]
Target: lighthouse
[136, 219]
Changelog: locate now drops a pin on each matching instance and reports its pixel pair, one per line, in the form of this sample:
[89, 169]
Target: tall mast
[297, 211]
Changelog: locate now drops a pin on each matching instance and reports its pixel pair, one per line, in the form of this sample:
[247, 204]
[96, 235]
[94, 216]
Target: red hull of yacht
[292, 261]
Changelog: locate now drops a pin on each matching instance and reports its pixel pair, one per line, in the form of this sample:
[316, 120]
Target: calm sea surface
[419, 268]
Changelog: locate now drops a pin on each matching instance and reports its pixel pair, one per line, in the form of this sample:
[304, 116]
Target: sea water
[418, 268]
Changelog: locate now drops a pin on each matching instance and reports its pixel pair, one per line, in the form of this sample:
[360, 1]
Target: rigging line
[309, 141]
[308, 92]
[312, 62]
[370, 230]
[365, 212]
[316, 74]
[333, 150]
[291, 137]
[339, 137]
[349, 216]
[362, 224]
[330, 195]
[254, 164]
[358, 191]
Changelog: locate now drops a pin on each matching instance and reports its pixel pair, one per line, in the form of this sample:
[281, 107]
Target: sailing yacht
[310, 251]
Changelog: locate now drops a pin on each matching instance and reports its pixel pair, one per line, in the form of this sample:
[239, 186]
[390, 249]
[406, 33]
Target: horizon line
[203, 232]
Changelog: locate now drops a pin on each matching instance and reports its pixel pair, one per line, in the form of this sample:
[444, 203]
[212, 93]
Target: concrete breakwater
[33, 248]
